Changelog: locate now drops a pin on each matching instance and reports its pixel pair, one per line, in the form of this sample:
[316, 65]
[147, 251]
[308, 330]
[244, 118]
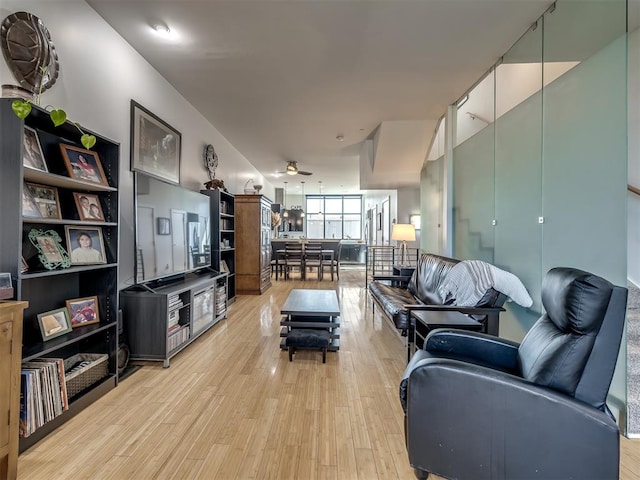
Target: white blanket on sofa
[468, 281]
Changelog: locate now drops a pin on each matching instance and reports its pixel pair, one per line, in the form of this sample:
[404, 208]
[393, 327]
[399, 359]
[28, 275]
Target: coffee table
[311, 308]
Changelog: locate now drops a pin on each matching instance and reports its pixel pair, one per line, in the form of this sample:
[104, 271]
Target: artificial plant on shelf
[22, 109]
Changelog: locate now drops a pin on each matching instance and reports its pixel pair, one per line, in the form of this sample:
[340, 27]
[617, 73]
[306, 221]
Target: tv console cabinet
[161, 319]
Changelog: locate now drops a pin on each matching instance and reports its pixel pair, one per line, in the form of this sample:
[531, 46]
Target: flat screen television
[172, 230]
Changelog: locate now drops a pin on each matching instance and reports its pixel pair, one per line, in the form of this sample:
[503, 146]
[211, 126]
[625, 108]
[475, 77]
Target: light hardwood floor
[231, 406]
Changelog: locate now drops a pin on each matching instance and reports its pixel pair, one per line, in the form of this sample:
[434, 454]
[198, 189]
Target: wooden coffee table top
[321, 303]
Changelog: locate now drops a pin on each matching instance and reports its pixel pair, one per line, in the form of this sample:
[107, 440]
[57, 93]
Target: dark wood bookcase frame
[48, 289]
[223, 232]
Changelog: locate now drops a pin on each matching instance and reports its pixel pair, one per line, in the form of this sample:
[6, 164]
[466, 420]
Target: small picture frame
[88, 206]
[83, 311]
[32, 156]
[85, 245]
[50, 251]
[163, 226]
[224, 268]
[24, 266]
[46, 199]
[29, 207]
[54, 323]
[83, 164]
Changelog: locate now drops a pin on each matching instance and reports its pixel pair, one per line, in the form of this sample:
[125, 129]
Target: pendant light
[285, 213]
[303, 200]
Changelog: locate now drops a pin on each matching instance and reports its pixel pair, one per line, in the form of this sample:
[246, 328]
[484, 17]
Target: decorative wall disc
[29, 51]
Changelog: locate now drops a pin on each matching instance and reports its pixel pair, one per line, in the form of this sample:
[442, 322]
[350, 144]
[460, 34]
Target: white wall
[409, 204]
[99, 75]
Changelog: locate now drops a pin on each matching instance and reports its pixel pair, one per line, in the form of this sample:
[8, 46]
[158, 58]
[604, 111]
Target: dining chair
[293, 258]
[313, 257]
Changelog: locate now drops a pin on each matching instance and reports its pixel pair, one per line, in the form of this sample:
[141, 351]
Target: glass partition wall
[540, 158]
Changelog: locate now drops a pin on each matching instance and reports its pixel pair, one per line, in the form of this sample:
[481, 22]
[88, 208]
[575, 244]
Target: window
[334, 216]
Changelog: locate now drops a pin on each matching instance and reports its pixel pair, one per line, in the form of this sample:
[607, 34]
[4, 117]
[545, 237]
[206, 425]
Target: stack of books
[43, 393]
[221, 300]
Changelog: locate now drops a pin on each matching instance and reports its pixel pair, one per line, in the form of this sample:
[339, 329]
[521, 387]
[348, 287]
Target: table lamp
[403, 232]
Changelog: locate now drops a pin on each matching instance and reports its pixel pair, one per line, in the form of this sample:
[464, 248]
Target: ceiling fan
[292, 169]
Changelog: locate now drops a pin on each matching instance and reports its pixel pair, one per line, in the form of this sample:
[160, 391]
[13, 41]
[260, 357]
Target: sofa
[480, 407]
[398, 296]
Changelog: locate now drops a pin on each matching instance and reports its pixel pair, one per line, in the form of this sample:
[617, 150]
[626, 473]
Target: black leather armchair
[481, 407]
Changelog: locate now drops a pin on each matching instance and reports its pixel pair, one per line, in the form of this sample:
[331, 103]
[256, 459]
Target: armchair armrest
[475, 347]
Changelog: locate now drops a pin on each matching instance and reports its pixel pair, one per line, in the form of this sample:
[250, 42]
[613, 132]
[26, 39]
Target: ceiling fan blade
[300, 172]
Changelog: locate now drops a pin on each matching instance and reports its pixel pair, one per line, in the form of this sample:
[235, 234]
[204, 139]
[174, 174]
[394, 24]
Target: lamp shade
[403, 232]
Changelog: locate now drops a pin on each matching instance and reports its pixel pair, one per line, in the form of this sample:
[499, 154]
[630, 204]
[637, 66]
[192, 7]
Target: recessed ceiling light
[340, 138]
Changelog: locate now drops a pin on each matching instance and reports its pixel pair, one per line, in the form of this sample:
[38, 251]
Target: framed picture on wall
[155, 145]
[163, 225]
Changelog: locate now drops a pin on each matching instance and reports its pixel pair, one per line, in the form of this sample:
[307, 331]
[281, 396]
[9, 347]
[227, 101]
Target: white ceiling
[281, 79]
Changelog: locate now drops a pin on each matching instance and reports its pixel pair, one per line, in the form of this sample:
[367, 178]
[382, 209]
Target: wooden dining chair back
[293, 258]
[313, 257]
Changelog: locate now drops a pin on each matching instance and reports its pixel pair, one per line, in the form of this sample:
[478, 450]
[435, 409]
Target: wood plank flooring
[231, 406]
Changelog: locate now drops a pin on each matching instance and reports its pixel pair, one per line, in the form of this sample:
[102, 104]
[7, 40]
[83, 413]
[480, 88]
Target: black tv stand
[163, 317]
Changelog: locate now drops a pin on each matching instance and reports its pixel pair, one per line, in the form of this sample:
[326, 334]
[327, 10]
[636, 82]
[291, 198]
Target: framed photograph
[24, 266]
[224, 268]
[50, 251]
[32, 156]
[88, 206]
[29, 207]
[46, 199]
[163, 226]
[155, 145]
[83, 311]
[54, 323]
[83, 164]
[85, 244]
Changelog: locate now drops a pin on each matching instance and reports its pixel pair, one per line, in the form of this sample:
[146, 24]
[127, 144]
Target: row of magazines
[43, 393]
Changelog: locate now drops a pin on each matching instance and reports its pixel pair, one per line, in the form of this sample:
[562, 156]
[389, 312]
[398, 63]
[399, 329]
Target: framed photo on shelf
[224, 268]
[83, 311]
[46, 199]
[163, 226]
[83, 164]
[88, 206]
[32, 156]
[29, 207]
[155, 145]
[85, 244]
[50, 251]
[54, 323]
[24, 266]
